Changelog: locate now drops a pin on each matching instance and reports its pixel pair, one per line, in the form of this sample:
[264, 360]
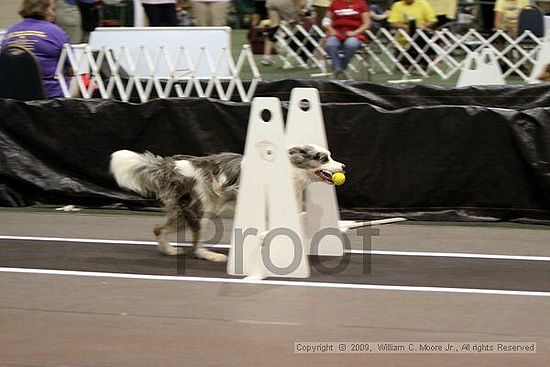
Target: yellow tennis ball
[338, 178]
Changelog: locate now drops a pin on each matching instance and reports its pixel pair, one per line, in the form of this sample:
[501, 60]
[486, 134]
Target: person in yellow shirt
[445, 11]
[507, 14]
[408, 14]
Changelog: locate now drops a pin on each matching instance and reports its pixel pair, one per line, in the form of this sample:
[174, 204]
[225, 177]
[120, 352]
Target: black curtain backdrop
[426, 153]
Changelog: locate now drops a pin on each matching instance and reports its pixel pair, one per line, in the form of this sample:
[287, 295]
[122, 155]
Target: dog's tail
[137, 172]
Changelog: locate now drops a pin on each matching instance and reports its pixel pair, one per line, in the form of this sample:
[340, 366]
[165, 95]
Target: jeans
[341, 52]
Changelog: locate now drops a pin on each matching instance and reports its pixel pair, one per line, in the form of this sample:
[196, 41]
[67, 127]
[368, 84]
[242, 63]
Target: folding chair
[20, 74]
[531, 19]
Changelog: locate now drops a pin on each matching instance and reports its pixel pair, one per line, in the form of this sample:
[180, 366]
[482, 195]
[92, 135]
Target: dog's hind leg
[192, 214]
[162, 231]
[180, 210]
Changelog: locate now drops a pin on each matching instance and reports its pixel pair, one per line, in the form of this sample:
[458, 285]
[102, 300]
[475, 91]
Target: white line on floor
[79, 240]
[279, 282]
[455, 254]
[277, 323]
[352, 251]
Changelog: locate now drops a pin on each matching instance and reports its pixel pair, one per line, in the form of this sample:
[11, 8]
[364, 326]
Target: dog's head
[314, 163]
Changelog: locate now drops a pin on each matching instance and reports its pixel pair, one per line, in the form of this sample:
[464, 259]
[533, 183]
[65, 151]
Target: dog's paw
[205, 254]
[171, 250]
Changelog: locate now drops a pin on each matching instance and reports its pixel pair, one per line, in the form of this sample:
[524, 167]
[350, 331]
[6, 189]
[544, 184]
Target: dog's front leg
[202, 253]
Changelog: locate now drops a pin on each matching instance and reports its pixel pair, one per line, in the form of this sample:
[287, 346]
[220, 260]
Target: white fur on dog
[185, 168]
[124, 164]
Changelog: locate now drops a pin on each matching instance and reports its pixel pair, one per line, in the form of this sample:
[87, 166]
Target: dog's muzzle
[325, 176]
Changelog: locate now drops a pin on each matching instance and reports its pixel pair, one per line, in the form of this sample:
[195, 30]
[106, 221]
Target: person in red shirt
[347, 20]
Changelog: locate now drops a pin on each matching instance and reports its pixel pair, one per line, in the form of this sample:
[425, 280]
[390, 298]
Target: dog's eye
[322, 158]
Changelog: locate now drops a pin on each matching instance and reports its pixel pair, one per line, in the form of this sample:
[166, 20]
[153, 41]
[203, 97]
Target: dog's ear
[298, 156]
[296, 150]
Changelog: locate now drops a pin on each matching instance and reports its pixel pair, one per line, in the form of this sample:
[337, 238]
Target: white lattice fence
[119, 74]
[439, 52]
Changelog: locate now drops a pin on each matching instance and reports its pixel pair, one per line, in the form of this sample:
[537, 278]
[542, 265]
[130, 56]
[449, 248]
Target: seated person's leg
[333, 49]
[351, 44]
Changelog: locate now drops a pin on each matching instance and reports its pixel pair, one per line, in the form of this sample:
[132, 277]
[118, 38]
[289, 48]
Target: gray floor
[76, 320]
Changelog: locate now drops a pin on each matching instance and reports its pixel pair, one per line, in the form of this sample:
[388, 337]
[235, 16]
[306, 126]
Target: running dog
[193, 188]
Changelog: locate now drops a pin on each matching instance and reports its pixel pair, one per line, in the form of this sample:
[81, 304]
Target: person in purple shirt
[45, 40]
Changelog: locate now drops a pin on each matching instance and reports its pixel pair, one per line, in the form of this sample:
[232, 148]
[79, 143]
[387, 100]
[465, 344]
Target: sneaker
[267, 62]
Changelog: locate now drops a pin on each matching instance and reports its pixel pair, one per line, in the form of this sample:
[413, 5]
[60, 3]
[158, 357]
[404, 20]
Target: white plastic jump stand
[543, 60]
[273, 229]
[266, 203]
[480, 68]
[305, 125]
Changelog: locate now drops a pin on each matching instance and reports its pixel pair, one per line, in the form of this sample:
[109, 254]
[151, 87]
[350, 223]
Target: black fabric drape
[421, 152]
